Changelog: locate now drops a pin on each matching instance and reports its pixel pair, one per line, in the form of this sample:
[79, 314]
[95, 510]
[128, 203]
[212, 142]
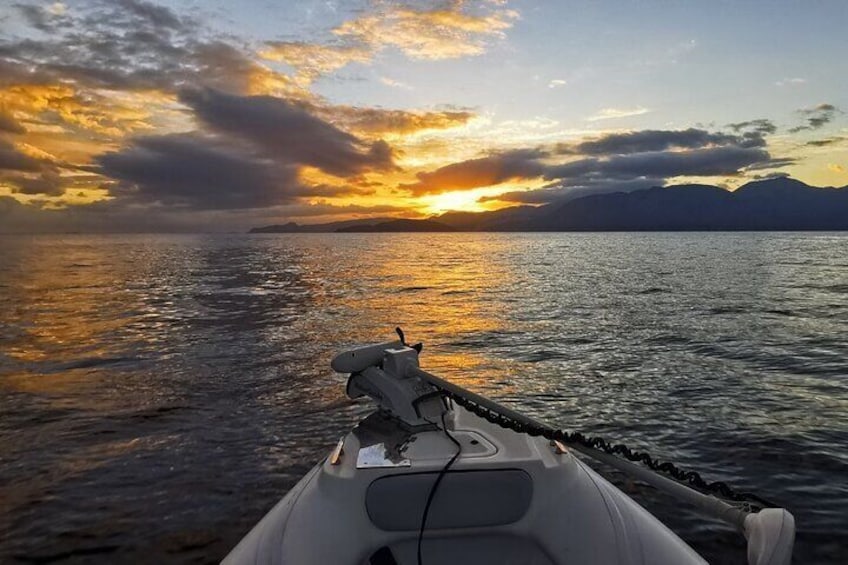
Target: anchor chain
[750, 502]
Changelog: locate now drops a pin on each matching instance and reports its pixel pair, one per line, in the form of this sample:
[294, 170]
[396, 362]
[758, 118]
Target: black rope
[753, 502]
[435, 486]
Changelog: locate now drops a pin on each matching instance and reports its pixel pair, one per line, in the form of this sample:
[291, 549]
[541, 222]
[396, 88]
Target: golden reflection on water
[75, 300]
[435, 286]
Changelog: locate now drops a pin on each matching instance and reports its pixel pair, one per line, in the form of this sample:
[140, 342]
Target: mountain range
[774, 204]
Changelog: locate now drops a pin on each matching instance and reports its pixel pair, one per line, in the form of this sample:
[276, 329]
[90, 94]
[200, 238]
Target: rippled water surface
[158, 394]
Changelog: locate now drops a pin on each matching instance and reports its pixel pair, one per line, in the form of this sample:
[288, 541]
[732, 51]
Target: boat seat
[465, 499]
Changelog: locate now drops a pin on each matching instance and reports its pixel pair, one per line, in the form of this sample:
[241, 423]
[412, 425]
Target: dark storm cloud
[9, 124]
[13, 160]
[47, 183]
[194, 171]
[816, 117]
[286, 132]
[190, 171]
[26, 174]
[698, 162]
[657, 140]
[484, 171]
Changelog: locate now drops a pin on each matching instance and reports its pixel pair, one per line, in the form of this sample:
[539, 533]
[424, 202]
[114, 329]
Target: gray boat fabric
[465, 499]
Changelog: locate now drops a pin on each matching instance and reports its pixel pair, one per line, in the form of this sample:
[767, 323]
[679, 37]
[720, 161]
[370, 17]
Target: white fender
[771, 535]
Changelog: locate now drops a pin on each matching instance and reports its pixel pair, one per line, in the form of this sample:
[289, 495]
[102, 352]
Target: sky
[186, 115]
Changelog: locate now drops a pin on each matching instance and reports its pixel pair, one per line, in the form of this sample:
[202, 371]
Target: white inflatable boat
[438, 476]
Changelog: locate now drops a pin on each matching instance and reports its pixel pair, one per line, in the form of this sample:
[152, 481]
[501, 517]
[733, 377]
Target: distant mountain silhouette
[293, 227]
[506, 219]
[774, 204]
[400, 226]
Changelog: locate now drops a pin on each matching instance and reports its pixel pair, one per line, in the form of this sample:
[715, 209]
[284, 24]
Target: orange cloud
[444, 33]
[96, 112]
[61, 128]
[312, 60]
[477, 173]
[379, 121]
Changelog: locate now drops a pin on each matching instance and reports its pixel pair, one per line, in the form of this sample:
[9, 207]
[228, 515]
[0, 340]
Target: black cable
[692, 478]
[435, 486]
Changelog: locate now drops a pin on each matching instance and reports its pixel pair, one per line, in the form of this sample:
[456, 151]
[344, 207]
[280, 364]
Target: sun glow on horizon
[474, 200]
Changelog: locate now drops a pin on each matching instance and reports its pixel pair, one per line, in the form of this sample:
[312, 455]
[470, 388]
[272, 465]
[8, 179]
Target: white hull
[486, 494]
[508, 498]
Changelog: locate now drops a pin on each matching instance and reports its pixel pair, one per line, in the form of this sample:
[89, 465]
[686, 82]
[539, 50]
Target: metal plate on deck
[376, 456]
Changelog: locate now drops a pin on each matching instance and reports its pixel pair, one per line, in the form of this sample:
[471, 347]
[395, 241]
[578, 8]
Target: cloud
[25, 171]
[334, 191]
[796, 81]
[57, 9]
[12, 159]
[9, 124]
[41, 18]
[313, 60]
[158, 16]
[191, 171]
[286, 132]
[708, 161]
[615, 113]
[827, 141]
[134, 44]
[88, 114]
[395, 83]
[445, 32]
[485, 171]
[560, 193]
[323, 208]
[816, 117]
[47, 182]
[657, 140]
[376, 121]
[449, 31]
[130, 44]
[98, 84]
[105, 71]
[773, 163]
[249, 153]
[612, 162]
[761, 126]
